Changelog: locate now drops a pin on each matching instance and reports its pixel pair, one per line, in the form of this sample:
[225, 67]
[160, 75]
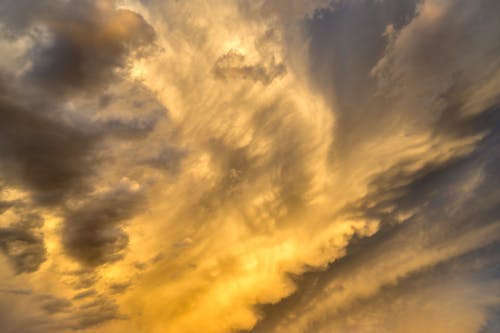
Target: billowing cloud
[256, 166]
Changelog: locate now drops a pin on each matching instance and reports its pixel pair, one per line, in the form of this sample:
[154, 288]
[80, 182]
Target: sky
[237, 166]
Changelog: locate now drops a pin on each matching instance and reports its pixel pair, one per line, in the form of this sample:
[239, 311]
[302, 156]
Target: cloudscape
[250, 166]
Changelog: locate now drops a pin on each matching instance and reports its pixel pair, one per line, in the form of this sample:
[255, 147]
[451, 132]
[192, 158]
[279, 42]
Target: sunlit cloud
[249, 166]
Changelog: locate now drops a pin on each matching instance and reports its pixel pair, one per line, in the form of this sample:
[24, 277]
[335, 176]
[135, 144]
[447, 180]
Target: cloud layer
[249, 166]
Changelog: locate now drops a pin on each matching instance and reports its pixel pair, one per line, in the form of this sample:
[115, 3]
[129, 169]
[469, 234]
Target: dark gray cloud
[119, 288]
[52, 156]
[85, 294]
[84, 43]
[93, 232]
[84, 278]
[168, 159]
[77, 46]
[24, 248]
[40, 152]
[22, 242]
[86, 310]
[95, 312]
[233, 65]
[5, 205]
[55, 152]
[53, 305]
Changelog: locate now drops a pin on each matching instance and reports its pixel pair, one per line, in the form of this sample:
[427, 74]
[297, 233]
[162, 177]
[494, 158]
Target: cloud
[42, 153]
[92, 232]
[78, 46]
[262, 166]
[62, 106]
[49, 150]
[118, 288]
[13, 321]
[94, 313]
[232, 65]
[437, 216]
[440, 226]
[25, 250]
[55, 305]
[85, 294]
[21, 240]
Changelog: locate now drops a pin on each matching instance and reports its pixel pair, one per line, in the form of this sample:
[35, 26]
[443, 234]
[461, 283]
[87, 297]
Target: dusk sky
[249, 166]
